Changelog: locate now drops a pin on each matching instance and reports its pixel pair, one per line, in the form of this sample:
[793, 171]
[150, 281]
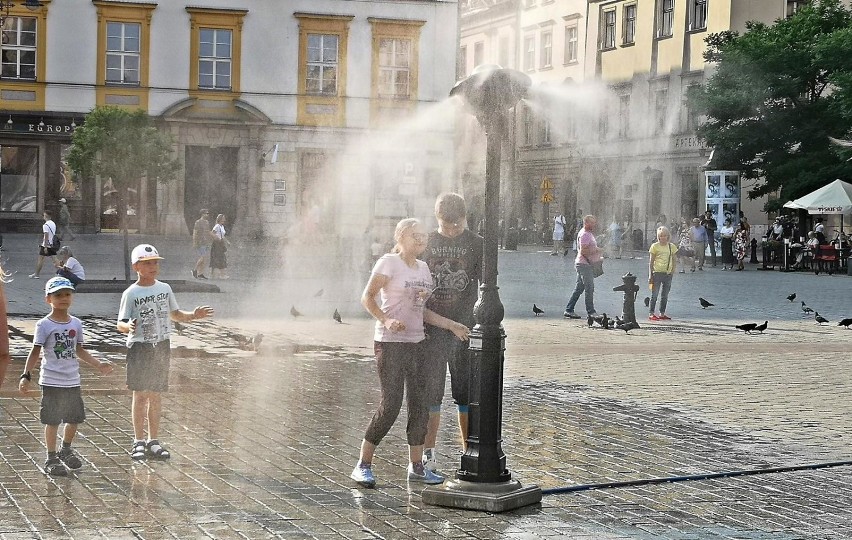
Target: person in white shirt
[69, 267]
[46, 247]
[558, 234]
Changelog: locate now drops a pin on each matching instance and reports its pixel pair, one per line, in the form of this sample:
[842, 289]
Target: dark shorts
[444, 349]
[148, 366]
[46, 251]
[61, 405]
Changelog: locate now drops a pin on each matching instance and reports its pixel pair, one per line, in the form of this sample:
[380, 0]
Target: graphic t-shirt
[150, 306]
[403, 298]
[58, 341]
[456, 266]
[663, 256]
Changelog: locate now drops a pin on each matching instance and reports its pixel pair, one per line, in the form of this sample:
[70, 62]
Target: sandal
[156, 450]
[137, 451]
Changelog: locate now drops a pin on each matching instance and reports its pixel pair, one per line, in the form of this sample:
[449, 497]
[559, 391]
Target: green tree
[125, 146]
[778, 93]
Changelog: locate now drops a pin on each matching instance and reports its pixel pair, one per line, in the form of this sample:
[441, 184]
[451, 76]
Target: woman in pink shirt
[404, 284]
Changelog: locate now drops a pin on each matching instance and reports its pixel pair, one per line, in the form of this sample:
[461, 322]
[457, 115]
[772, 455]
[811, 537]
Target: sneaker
[592, 314]
[202, 276]
[571, 315]
[35, 276]
[54, 467]
[363, 476]
[70, 459]
[426, 476]
[194, 273]
[664, 317]
[653, 317]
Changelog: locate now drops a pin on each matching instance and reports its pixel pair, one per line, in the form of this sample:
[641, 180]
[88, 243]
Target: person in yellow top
[661, 268]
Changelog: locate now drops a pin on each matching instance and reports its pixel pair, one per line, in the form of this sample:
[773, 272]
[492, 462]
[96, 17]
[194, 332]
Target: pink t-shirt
[403, 297]
[586, 238]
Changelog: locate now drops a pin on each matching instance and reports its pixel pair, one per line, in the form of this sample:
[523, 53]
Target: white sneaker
[35, 276]
[427, 477]
[429, 460]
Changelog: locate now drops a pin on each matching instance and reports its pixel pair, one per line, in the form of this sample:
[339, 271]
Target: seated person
[69, 267]
[808, 252]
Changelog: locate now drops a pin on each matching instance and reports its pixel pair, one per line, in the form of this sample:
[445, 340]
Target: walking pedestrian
[686, 251]
[65, 231]
[615, 238]
[147, 310]
[588, 253]
[201, 240]
[454, 257]
[558, 234]
[404, 285]
[58, 342]
[219, 249]
[69, 267]
[661, 267]
[699, 242]
[710, 225]
[46, 248]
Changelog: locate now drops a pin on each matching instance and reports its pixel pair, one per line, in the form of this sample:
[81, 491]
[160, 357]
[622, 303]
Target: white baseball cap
[144, 252]
[57, 284]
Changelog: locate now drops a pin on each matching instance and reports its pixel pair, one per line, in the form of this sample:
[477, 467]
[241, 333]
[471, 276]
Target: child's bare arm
[32, 360]
[104, 366]
[200, 312]
[125, 327]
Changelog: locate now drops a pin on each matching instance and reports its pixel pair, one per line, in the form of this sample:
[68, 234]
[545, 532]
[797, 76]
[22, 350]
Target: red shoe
[664, 317]
[653, 317]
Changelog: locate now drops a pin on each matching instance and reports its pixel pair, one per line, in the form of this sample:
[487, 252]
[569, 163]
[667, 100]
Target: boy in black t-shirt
[454, 256]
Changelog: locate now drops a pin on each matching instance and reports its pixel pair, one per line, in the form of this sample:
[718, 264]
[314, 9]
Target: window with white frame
[666, 18]
[661, 98]
[546, 49]
[624, 116]
[214, 58]
[697, 14]
[691, 121]
[795, 5]
[322, 68]
[571, 43]
[608, 30]
[545, 131]
[122, 52]
[528, 126]
[478, 53]
[395, 67]
[629, 23]
[19, 48]
[461, 72]
[529, 53]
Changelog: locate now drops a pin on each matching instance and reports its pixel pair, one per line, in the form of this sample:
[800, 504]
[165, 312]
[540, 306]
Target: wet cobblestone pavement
[262, 443]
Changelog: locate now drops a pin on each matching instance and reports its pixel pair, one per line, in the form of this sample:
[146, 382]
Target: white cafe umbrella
[835, 198]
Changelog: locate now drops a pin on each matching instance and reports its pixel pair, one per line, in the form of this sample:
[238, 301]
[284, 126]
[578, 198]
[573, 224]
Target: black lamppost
[483, 482]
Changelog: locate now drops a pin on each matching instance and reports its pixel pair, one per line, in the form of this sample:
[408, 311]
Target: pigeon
[762, 327]
[845, 322]
[590, 321]
[605, 322]
[179, 327]
[747, 327]
[806, 309]
[628, 326]
[704, 303]
[819, 318]
[246, 343]
[318, 293]
[537, 310]
[791, 297]
[294, 312]
[647, 301]
[336, 316]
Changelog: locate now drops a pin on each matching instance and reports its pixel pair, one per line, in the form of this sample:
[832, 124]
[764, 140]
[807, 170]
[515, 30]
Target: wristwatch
[26, 375]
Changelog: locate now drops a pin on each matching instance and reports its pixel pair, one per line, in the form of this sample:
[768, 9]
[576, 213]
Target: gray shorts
[444, 349]
[61, 405]
[148, 366]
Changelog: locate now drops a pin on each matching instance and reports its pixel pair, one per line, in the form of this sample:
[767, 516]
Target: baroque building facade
[292, 118]
[607, 128]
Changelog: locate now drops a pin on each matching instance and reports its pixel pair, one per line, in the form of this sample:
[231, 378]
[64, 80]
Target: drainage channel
[695, 477]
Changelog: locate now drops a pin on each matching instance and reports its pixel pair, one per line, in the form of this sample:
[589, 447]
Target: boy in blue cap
[58, 341]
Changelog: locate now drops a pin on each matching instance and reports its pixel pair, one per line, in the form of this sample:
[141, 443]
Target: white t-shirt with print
[58, 342]
[403, 298]
[150, 306]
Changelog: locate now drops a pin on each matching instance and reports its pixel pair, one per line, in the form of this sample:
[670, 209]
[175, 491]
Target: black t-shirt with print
[456, 267]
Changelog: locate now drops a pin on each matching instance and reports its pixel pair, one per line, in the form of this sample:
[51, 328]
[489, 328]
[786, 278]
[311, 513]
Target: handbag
[597, 268]
[56, 243]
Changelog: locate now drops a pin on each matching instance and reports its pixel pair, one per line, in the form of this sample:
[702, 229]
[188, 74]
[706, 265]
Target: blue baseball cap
[57, 284]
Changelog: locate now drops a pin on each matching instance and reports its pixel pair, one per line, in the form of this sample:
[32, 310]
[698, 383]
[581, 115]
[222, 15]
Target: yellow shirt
[663, 256]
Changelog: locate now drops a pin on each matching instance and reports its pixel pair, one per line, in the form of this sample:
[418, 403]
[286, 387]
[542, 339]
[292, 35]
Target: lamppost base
[485, 496]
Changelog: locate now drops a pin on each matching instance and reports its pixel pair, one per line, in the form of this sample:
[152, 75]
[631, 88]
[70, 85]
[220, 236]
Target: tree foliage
[778, 93]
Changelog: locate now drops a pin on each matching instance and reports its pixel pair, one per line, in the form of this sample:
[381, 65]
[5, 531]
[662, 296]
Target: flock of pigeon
[605, 322]
[336, 315]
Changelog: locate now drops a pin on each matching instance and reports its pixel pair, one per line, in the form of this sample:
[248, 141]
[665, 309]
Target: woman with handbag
[661, 267]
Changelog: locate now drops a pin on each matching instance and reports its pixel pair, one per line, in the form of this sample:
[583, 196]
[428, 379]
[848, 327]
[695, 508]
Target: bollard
[630, 289]
[753, 259]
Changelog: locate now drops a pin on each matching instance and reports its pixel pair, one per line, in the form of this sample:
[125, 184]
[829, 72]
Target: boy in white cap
[58, 341]
[147, 309]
